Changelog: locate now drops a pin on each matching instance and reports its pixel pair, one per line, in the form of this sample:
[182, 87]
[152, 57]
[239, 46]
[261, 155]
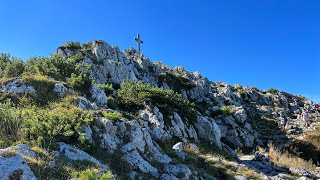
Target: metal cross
[139, 41]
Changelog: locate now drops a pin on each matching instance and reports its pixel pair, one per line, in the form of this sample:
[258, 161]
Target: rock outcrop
[162, 143]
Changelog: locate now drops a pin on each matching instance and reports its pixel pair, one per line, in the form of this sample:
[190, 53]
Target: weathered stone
[99, 96]
[73, 153]
[17, 86]
[180, 170]
[137, 162]
[14, 163]
[178, 147]
[208, 130]
[60, 89]
[25, 150]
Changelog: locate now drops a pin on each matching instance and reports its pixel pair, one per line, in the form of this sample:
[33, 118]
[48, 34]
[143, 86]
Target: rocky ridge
[228, 118]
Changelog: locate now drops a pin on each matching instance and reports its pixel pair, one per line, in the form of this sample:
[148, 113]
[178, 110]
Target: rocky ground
[155, 144]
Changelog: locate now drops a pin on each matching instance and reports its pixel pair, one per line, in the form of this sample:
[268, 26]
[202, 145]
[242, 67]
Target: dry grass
[8, 153]
[314, 138]
[218, 163]
[284, 159]
[250, 173]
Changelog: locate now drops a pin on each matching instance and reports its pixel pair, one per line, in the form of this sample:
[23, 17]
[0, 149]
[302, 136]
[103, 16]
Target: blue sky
[262, 43]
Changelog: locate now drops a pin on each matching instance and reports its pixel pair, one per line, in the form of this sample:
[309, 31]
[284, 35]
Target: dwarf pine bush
[133, 96]
[61, 121]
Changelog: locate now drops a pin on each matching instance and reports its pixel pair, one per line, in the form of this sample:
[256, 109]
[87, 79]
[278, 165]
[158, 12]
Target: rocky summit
[92, 111]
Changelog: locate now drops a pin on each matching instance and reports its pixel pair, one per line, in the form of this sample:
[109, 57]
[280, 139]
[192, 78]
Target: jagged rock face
[137, 140]
[109, 64]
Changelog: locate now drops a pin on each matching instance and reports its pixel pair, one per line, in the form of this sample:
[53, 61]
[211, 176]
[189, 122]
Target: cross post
[139, 41]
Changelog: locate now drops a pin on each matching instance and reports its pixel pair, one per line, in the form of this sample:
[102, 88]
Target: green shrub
[111, 116]
[133, 96]
[4, 62]
[72, 45]
[71, 70]
[90, 174]
[86, 46]
[272, 91]
[108, 88]
[238, 87]
[175, 81]
[15, 68]
[60, 121]
[228, 110]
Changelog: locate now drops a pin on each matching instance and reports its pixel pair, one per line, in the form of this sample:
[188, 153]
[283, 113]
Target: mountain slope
[128, 117]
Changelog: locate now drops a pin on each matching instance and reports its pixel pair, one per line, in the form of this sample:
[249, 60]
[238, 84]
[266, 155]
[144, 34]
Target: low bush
[15, 68]
[72, 45]
[92, 174]
[175, 81]
[59, 122]
[111, 116]
[108, 88]
[229, 110]
[71, 70]
[272, 91]
[133, 96]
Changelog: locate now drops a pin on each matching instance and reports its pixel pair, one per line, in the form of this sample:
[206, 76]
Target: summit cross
[139, 41]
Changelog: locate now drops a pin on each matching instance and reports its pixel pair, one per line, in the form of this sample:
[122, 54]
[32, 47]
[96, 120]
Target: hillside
[91, 111]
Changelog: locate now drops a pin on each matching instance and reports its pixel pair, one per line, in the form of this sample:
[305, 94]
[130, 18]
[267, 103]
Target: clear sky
[262, 43]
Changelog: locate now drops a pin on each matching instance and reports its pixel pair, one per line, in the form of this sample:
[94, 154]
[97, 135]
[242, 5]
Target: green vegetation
[133, 96]
[72, 45]
[111, 116]
[10, 66]
[207, 160]
[272, 91]
[238, 87]
[175, 81]
[64, 168]
[90, 174]
[60, 121]
[108, 88]
[228, 110]
[71, 70]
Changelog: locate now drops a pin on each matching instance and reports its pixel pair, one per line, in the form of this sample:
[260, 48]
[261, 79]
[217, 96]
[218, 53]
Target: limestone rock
[99, 96]
[13, 163]
[137, 162]
[178, 147]
[24, 149]
[178, 127]
[88, 133]
[109, 138]
[240, 115]
[180, 170]
[60, 89]
[17, 86]
[85, 104]
[73, 153]
[208, 130]
[168, 177]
